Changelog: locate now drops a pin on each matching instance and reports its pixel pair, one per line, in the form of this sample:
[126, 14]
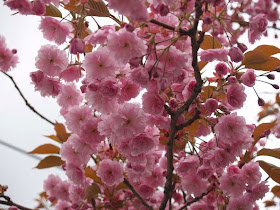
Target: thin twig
[9, 202]
[180, 30]
[190, 121]
[126, 182]
[196, 199]
[25, 100]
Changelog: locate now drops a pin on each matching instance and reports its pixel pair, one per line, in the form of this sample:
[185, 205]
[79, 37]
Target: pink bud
[38, 7]
[242, 47]
[129, 27]
[211, 105]
[221, 69]
[163, 10]
[261, 102]
[77, 45]
[271, 76]
[232, 80]
[235, 54]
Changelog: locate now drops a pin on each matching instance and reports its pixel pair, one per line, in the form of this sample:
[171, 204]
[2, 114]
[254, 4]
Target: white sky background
[21, 127]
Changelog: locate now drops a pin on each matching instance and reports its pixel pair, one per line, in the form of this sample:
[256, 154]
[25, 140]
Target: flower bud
[271, 76]
[235, 54]
[77, 45]
[261, 102]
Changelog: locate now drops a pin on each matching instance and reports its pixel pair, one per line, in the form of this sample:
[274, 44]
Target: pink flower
[76, 193]
[54, 30]
[71, 73]
[211, 105]
[251, 173]
[77, 45]
[235, 54]
[248, 78]
[125, 45]
[232, 128]
[185, 165]
[69, 96]
[232, 185]
[99, 36]
[240, 202]
[50, 184]
[221, 68]
[192, 184]
[38, 7]
[75, 174]
[235, 95]
[51, 60]
[109, 88]
[129, 90]
[48, 87]
[257, 192]
[153, 103]
[146, 190]
[141, 143]
[136, 10]
[214, 54]
[110, 172]
[77, 116]
[23, 6]
[99, 65]
[258, 25]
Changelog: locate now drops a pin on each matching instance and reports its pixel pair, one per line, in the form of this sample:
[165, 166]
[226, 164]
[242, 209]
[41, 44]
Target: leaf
[277, 99]
[208, 43]
[61, 132]
[276, 191]
[52, 11]
[122, 186]
[268, 50]
[260, 129]
[253, 58]
[272, 170]
[55, 138]
[92, 191]
[269, 65]
[46, 149]
[207, 92]
[201, 65]
[269, 203]
[270, 152]
[49, 162]
[266, 112]
[88, 48]
[97, 8]
[73, 6]
[90, 173]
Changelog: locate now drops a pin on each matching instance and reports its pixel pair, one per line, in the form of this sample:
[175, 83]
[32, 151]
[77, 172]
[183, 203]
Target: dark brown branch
[190, 121]
[171, 28]
[9, 202]
[168, 110]
[25, 100]
[196, 199]
[197, 89]
[126, 182]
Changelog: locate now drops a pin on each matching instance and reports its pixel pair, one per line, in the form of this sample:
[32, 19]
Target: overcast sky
[21, 127]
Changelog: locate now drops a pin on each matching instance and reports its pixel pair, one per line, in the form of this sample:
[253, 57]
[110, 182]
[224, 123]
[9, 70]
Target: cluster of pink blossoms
[8, 58]
[127, 140]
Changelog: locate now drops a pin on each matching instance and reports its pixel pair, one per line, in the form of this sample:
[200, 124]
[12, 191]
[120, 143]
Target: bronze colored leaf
[61, 132]
[269, 65]
[207, 92]
[97, 8]
[55, 138]
[46, 149]
[122, 186]
[254, 57]
[270, 152]
[52, 11]
[201, 65]
[260, 129]
[50, 161]
[277, 99]
[266, 112]
[268, 50]
[73, 6]
[90, 173]
[92, 191]
[269, 203]
[276, 191]
[208, 43]
[272, 170]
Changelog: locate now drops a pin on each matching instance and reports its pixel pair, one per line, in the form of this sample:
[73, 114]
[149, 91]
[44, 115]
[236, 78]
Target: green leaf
[272, 170]
[46, 149]
[208, 43]
[50, 161]
[52, 11]
[270, 152]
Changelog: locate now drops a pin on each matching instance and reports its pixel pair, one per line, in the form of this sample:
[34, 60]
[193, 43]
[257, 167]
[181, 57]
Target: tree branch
[197, 89]
[190, 121]
[25, 100]
[171, 28]
[126, 182]
[9, 202]
[196, 199]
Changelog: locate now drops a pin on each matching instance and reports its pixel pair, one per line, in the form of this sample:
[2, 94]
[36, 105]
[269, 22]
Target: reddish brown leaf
[208, 43]
[61, 132]
[50, 161]
[270, 152]
[55, 138]
[260, 129]
[92, 191]
[97, 8]
[276, 191]
[277, 99]
[201, 65]
[90, 173]
[46, 149]
[52, 11]
[254, 57]
[272, 170]
[268, 50]
[269, 203]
